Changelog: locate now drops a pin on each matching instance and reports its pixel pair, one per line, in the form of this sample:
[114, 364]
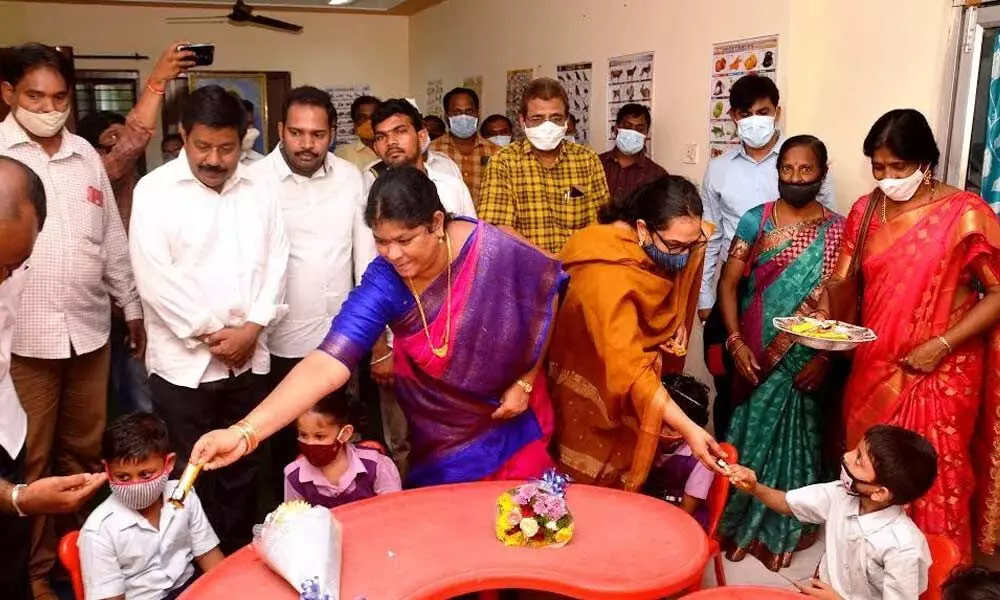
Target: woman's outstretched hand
[219, 448]
[706, 449]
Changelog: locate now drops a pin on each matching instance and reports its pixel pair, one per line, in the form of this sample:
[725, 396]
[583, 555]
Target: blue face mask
[463, 126]
[671, 262]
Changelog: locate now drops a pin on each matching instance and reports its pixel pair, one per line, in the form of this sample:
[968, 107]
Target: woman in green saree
[785, 250]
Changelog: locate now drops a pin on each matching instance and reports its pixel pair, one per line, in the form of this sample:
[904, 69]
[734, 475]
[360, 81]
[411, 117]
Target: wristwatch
[524, 385]
[14, 493]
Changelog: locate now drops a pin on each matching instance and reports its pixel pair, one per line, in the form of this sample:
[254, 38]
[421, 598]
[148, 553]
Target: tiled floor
[750, 571]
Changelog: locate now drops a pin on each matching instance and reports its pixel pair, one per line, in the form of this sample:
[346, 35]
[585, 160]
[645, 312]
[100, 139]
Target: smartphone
[204, 54]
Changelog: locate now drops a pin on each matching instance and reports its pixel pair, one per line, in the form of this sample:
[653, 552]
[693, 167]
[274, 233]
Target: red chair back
[945, 556]
[719, 492]
[69, 556]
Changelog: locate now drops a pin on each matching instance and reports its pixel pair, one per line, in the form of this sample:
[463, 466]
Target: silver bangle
[14, 493]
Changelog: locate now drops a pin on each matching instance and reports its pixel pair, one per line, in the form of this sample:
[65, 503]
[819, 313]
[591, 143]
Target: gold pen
[184, 486]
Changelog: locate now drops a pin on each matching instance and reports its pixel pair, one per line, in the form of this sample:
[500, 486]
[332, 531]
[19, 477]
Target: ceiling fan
[242, 13]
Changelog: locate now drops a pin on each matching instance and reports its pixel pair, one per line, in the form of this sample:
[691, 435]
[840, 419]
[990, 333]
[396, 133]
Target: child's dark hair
[972, 582]
[689, 394]
[337, 407]
[905, 463]
[134, 437]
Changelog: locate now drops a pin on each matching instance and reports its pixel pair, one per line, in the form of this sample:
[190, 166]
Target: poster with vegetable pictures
[475, 84]
[342, 98]
[730, 61]
[576, 78]
[517, 80]
[630, 80]
[435, 92]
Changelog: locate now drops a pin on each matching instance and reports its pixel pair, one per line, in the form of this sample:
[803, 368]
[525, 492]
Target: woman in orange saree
[632, 291]
[930, 267]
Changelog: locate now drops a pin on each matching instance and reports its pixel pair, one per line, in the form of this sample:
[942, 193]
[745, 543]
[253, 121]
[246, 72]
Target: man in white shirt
[322, 200]
[210, 252]
[399, 137]
[61, 356]
[250, 156]
[22, 214]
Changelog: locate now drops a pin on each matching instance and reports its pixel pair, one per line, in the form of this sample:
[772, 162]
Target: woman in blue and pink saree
[470, 310]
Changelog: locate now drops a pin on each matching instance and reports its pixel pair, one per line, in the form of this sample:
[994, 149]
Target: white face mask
[546, 136]
[756, 130]
[43, 125]
[630, 141]
[501, 140]
[571, 138]
[463, 126]
[249, 138]
[902, 190]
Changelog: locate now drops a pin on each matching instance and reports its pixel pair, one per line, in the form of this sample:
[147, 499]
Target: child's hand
[818, 589]
[743, 478]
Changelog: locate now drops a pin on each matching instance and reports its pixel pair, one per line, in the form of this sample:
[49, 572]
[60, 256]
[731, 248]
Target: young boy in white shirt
[873, 550]
[134, 546]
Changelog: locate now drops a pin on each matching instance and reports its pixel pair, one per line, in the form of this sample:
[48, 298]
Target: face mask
[425, 145]
[140, 495]
[799, 194]
[501, 140]
[365, 131]
[630, 141]
[320, 455]
[903, 189]
[756, 130]
[463, 126]
[849, 481]
[249, 138]
[546, 136]
[571, 138]
[43, 125]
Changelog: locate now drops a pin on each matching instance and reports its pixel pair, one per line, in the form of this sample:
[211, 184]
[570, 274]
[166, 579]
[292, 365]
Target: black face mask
[799, 194]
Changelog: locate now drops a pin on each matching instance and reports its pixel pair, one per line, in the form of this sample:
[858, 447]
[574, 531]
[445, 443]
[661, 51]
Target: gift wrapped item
[303, 544]
[535, 513]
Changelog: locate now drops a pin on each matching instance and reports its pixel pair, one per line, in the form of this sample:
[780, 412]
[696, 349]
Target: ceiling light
[341, 2]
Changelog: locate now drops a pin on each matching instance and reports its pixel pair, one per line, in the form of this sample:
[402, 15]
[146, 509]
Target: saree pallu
[502, 298]
[920, 273]
[604, 357]
[776, 427]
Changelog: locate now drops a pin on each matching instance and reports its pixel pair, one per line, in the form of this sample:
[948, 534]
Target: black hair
[35, 189]
[134, 437]
[16, 62]
[907, 134]
[171, 137]
[405, 195]
[808, 141]
[543, 88]
[656, 203]
[93, 125]
[689, 394]
[397, 106]
[749, 89]
[972, 582]
[633, 109]
[458, 92]
[248, 106]
[435, 119]
[214, 107]
[310, 96]
[337, 407]
[572, 118]
[359, 102]
[905, 463]
[489, 121]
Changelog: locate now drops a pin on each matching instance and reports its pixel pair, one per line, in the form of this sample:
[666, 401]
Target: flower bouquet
[302, 543]
[535, 514]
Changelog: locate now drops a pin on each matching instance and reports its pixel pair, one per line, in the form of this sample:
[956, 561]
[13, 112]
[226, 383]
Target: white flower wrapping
[303, 544]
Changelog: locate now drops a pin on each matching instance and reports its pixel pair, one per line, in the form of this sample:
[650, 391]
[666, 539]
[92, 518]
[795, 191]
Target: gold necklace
[442, 351]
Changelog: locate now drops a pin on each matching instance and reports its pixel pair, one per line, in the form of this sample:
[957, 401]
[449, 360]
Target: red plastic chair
[716, 503]
[945, 556]
[69, 556]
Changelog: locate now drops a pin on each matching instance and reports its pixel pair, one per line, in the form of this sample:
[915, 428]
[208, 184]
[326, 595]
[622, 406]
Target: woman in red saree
[930, 273]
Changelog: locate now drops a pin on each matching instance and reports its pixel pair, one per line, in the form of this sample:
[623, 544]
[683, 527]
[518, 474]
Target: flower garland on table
[535, 514]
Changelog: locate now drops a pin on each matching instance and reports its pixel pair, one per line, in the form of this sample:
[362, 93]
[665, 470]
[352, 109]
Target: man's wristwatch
[524, 385]
[15, 492]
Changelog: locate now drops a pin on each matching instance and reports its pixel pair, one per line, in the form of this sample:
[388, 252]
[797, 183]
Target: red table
[439, 542]
[745, 593]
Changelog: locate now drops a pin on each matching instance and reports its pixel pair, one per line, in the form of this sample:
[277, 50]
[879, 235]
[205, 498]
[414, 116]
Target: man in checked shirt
[61, 357]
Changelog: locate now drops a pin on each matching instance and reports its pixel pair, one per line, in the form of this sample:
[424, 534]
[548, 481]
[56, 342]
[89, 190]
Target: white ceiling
[378, 5]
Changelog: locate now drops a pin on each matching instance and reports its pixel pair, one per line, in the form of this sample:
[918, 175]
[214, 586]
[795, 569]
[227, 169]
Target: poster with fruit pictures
[730, 61]
[576, 79]
[630, 80]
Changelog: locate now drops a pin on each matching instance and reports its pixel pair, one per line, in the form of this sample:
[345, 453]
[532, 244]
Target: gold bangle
[381, 359]
[945, 342]
[249, 435]
[524, 385]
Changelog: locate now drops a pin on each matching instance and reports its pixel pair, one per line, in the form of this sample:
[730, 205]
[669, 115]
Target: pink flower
[525, 493]
[514, 517]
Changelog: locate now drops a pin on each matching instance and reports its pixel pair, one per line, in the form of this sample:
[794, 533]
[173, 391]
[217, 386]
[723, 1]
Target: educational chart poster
[342, 98]
[475, 84]
[730, 61]
[576, 79]
[630, 79]
[517, 80]
[435, 92]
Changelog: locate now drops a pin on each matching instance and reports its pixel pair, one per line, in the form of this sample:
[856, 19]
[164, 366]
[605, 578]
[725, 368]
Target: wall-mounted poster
[342, 97]
[517, 80]
[630, 79]
[576, 78]
[435, 92]
[248, 86]
[475, 84]
[730, 61]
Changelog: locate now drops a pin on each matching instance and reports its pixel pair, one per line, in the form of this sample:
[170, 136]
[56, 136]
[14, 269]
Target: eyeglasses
[680, 248]
[536, 120]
